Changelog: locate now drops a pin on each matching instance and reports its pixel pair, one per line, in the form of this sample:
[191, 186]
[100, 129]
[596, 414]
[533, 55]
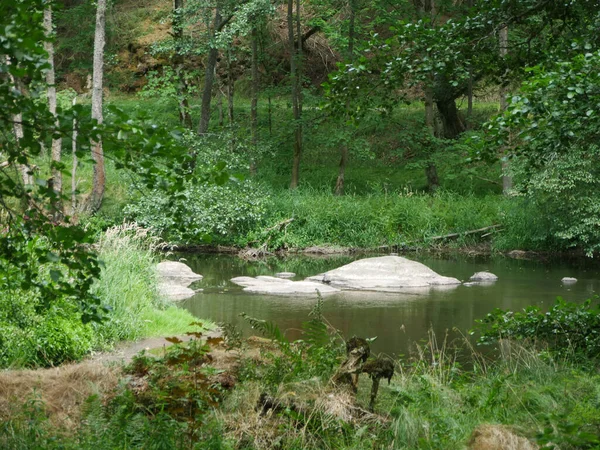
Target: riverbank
[273, 394]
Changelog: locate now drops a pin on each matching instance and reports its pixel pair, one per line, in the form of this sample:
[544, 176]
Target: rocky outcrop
[174, 280]
[386, 274]
[279, 286]
[485, 277]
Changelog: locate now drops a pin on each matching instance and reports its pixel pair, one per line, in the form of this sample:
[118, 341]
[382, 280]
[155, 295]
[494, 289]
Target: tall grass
[128, 284]
[369, 221]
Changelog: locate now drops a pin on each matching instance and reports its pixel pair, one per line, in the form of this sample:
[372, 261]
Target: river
[397, 320]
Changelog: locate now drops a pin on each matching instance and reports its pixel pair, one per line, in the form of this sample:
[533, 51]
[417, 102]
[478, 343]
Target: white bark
[99, 177]
[51, 82]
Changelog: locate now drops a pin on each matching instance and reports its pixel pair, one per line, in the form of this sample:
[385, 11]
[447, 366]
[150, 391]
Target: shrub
[223, 213]
[569, 329]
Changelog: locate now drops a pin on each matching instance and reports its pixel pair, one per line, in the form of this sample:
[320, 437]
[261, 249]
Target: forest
[138, 131]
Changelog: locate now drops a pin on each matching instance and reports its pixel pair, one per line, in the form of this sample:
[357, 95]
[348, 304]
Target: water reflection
[397, 319]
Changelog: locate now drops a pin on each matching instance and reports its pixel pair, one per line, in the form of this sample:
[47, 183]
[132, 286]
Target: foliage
[387, 218]
[203, 212]
[315, 354]
[33, 334]
[569, 329]
[179, 385]
[554, 124]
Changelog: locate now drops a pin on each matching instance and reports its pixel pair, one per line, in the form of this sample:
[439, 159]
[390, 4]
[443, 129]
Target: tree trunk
[99, 177]
[433, 181]
[296, 96]
[469, 123]
[507, 182]
[339, 185]
[74, 168]
[254, 101]
[230, 89]
[24, 169]
[209, 75]
[182, 90]
[452, 122]
[57, 205]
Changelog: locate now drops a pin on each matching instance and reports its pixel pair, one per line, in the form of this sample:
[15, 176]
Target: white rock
[483, 276]
[177, 273]
[279, 286]
[285, 275]
[385, 273]
[175, 292]
[174, 279]
[569, 280]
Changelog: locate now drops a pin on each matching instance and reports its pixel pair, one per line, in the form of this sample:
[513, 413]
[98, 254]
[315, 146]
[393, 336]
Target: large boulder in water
[174, 278]
[176, 272]
[280, 286]
[385, 273]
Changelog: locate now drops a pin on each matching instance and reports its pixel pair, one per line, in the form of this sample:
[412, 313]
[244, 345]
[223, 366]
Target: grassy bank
[279, 395]
[34, 334]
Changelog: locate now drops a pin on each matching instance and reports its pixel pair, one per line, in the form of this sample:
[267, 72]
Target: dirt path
[125, 351]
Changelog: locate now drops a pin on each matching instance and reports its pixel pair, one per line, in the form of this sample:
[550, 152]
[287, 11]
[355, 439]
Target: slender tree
[99, 177]
[182, 88]
[339, 184]
[209, 73]
[295, 49]
[503, 48]
[254, 101]
[433, 181]
[50, 81]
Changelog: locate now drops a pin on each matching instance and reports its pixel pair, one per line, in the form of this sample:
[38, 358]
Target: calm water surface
[398, 320]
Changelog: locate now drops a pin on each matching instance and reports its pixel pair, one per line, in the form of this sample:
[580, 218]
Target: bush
[569, 329]
[222, 213]
[34, 334]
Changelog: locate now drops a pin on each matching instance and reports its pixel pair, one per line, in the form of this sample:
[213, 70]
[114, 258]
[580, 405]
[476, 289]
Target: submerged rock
[484, 276]
[279, 286]
[285, 275]
[174, 279]
[385, 273]
[569, 280]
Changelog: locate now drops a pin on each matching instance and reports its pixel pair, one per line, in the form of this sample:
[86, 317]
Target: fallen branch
[464, 233]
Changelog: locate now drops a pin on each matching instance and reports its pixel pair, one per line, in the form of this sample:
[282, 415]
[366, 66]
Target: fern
[316, 330]
[268, 329]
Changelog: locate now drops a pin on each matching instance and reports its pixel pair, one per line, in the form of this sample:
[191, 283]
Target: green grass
[129, 286]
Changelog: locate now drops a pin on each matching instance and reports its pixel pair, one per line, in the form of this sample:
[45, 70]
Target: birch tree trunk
[74, 168]
[99, 177]
[50, 81]
[24, 169]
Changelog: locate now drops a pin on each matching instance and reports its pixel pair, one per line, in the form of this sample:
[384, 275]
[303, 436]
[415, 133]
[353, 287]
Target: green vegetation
[284, 398]
[350, 124]
[35, 335]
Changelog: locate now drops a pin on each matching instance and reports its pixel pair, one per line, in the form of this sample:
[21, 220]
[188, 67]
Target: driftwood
[465, 233]
[357, 362]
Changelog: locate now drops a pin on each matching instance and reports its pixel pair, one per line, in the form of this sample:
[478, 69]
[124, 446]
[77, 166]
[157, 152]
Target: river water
[398, 320]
